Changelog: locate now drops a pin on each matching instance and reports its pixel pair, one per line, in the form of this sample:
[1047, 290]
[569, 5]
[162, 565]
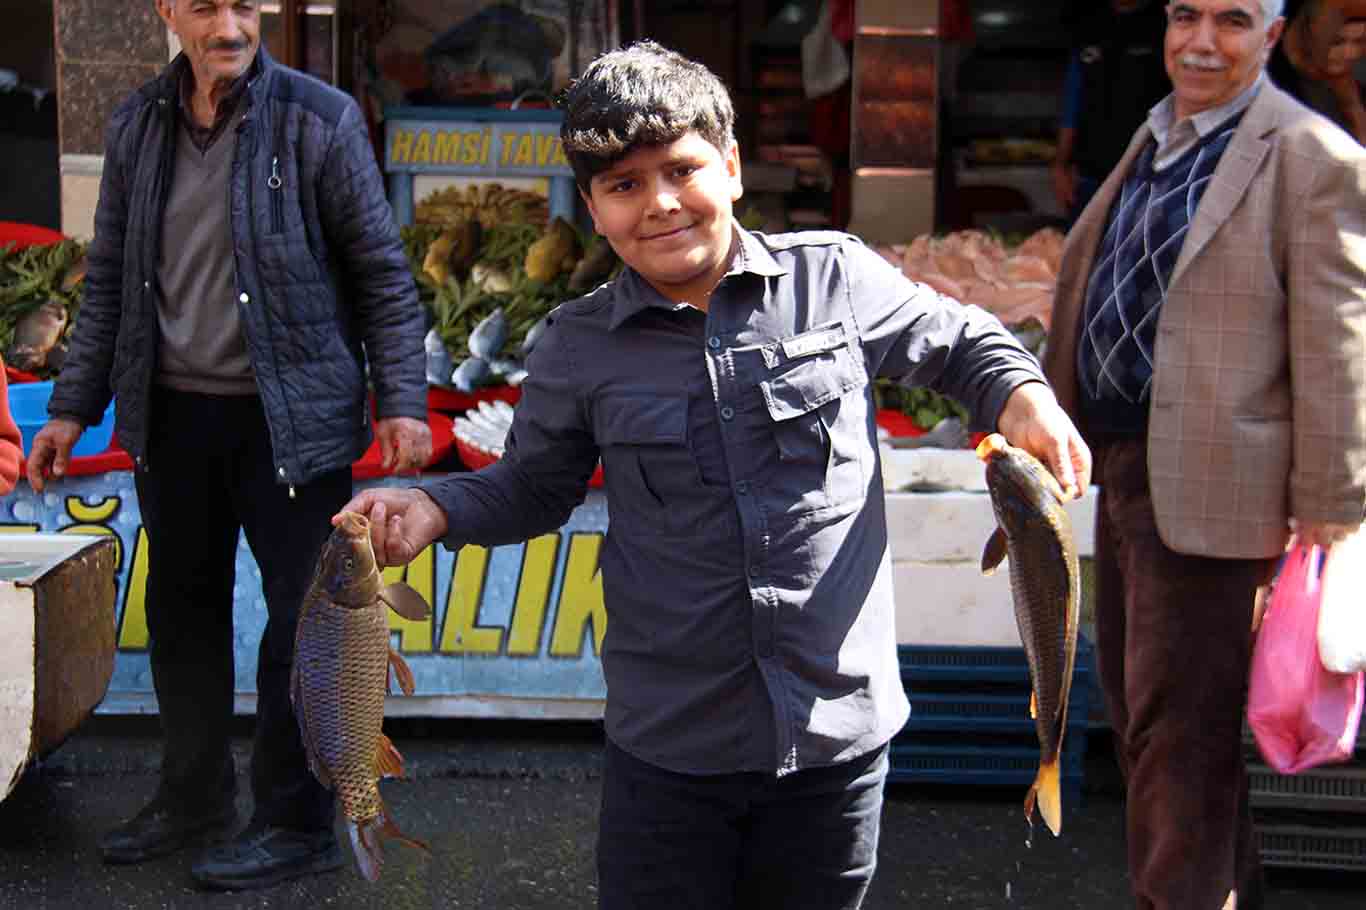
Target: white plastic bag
[1342, 606]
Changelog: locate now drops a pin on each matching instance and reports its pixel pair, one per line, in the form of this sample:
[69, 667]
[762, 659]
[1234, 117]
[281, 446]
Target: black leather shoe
[161, 828]
[263, 855]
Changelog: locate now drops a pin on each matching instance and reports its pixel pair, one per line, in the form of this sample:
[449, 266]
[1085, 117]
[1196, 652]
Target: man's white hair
[1273, 10]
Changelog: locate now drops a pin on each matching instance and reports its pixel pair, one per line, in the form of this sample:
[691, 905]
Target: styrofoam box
[936, 541]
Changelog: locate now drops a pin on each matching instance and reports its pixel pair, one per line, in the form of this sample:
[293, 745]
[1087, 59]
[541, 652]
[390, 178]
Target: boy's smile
[666, 210]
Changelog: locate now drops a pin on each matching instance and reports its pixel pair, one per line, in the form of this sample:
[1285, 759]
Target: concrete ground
[509, 810]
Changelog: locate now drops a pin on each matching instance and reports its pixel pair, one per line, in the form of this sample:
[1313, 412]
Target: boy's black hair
[636, 96]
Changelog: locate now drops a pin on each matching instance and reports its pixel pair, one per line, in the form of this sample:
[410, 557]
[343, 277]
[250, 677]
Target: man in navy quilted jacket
[244, 269]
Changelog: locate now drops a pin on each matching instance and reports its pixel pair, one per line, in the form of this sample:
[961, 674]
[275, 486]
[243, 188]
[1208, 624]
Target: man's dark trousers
[1174, 641]
[744, 841]
[210, 473]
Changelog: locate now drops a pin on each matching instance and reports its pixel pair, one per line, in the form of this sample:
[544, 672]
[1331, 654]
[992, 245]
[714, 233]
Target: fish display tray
[1313, 846]
[1330, 789]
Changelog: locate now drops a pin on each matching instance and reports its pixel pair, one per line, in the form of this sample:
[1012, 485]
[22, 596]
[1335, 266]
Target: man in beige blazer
[1209, 338]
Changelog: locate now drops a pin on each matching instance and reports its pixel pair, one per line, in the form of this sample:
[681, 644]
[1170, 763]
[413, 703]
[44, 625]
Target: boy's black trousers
[745, 841]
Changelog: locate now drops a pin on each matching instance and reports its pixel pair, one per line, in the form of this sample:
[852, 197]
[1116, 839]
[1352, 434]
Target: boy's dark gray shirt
[745, 571]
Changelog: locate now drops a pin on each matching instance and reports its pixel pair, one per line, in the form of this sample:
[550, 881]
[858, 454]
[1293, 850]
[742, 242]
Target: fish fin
[994, 552]
[388, 761]
[389, 829]
[1046, 792]
[404, 600]
[1033, 705]
[402, 672]
[365, 844]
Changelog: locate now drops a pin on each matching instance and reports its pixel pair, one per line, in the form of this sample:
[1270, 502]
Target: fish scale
[346, 719]
[1040, 572]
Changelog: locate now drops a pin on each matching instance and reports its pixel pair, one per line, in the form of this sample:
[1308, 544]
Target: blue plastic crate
[981, 766]
[932, 663]
[970, 720]
[970, 711]
[28, 405]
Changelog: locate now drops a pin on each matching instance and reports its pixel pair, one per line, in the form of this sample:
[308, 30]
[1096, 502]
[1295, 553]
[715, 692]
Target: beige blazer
[1258, 406]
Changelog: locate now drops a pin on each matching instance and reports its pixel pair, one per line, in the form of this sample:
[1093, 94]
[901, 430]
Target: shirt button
[147, 285]
[753, 572]
[243, 297]
[742, 487]
[727, 412]
[714, 343]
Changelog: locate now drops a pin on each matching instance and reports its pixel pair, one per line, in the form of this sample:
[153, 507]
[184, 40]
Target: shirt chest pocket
[818, 415]
[653, 483]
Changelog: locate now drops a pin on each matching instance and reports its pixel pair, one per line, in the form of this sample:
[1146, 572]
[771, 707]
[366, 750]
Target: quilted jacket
[322, 280]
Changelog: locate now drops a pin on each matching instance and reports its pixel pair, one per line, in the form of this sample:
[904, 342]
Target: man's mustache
[228, 45]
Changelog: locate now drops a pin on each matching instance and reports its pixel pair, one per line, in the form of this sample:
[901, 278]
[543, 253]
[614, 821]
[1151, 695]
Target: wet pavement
[510, 810]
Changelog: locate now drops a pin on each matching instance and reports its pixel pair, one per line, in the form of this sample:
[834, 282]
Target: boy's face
[666, 210]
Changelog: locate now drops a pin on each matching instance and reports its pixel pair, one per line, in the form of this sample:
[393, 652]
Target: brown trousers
[1174, 642]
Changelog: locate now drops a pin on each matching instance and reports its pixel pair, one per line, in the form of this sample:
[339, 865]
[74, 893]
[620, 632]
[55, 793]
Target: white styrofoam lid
[25, 558]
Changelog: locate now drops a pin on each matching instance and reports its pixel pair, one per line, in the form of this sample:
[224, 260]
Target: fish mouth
[993, 444]
[354, 524]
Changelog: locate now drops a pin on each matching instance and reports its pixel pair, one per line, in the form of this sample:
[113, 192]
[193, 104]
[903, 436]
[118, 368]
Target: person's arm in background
[11, 449]
[1064, 171]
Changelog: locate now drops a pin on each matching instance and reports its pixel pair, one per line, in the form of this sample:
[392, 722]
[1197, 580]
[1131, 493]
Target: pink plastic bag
[1301, 714]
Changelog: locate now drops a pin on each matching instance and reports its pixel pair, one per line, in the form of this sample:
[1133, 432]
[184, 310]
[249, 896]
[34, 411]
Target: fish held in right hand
[1034, 531]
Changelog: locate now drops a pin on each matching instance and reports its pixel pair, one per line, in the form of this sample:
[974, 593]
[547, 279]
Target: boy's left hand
[1033, 420]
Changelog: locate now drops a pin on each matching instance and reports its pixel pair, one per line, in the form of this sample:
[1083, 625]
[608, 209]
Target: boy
[724, 380]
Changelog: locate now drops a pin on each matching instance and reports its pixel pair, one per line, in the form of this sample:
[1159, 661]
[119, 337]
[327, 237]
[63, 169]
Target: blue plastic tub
[28, 405]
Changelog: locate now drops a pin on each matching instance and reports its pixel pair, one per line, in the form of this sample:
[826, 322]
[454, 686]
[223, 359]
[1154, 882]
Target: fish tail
[366, 841]
[388, 828]
[365, 844]
[1046, 792]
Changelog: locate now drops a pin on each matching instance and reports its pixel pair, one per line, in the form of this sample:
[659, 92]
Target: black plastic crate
[1313, 846]
[1327, 789]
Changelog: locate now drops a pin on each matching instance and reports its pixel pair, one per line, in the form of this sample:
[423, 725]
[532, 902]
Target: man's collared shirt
[745, 571]
[1175, 138]
[205, 136]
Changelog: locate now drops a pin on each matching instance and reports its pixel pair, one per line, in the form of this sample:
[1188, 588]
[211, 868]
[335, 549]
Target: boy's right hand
[51, 451]
[403, 522]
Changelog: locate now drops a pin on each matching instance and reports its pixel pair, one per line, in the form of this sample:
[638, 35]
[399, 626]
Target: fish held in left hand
[342, 660]
[1035, 532]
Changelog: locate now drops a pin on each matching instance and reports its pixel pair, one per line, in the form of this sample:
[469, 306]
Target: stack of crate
[1312, 820]
[970, 720]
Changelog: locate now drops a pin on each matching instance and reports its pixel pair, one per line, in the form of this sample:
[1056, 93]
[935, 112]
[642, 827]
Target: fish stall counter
[56, 641]
[939, 517]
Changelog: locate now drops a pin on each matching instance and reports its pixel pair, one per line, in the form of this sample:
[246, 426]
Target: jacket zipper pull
[274, 181]
[291, 491]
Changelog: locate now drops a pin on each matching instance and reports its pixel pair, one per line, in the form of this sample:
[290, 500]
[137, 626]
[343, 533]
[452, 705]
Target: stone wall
[105, 49]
